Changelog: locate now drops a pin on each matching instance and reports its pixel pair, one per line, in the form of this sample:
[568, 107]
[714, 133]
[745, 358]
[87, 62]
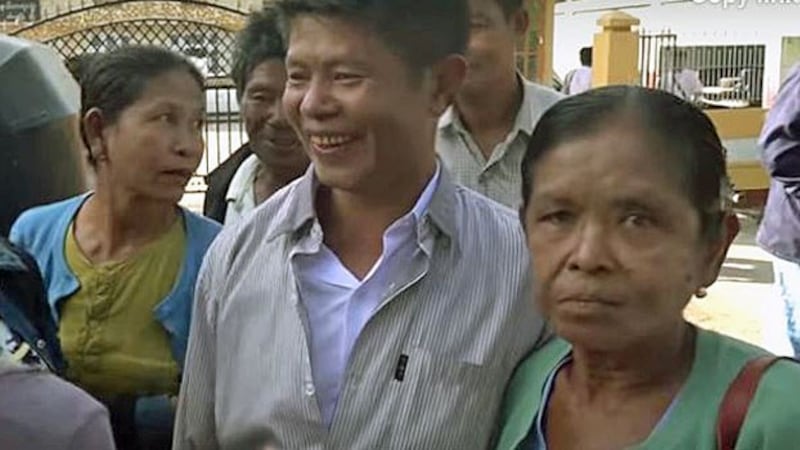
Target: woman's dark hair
[260, 40]
[683, 133]
[114, 81]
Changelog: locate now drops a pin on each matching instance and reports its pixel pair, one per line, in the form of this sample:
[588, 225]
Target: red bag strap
[737, 400]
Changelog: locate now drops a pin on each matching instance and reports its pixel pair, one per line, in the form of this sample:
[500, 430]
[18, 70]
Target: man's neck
[370, 212]
[489, 114]
[269, 180]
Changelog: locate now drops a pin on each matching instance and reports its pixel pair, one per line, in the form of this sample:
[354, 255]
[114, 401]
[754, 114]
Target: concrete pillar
[615, 55]
[545, 22]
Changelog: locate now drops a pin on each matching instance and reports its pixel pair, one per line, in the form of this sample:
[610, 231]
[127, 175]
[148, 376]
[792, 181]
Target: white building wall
[696, 22]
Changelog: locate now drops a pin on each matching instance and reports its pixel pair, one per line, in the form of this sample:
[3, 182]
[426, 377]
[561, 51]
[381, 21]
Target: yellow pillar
[615, 55]
[545, 21]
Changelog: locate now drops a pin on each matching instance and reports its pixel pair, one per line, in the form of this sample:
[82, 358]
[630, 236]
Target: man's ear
[719, 249]
[520, 20]
[93, 124]
[446, 78]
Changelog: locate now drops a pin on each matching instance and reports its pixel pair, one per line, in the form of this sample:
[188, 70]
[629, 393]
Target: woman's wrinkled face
[156, 143]
[615, 241]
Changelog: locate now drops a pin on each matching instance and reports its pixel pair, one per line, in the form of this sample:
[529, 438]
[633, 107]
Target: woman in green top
[119, 263]
[625, 209]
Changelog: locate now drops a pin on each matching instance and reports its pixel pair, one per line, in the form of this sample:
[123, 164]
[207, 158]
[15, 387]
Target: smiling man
[273, 157]
[482, 138]
[356, 309]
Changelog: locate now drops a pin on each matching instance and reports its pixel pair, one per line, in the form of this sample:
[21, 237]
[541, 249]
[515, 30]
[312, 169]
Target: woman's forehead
[176, 88]
[612, 158]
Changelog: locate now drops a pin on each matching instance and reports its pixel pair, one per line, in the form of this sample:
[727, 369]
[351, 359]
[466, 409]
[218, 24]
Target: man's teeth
[329, 141]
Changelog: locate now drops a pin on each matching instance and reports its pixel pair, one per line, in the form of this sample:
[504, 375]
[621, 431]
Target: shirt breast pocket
[447, 399]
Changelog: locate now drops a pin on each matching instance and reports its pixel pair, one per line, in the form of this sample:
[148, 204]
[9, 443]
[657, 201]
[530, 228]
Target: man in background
[481, 139]
[273, 157]
[580, 79]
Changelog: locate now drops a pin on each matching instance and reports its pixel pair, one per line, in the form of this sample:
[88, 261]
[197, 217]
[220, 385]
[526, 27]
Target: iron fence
[712, 76]
[209, 47]
[732, 75]
[63, 7]
[655, 56]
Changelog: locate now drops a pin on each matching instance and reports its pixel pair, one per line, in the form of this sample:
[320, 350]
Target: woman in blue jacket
[120, 262]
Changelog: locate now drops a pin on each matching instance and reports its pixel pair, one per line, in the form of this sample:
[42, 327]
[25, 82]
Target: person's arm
[567, 82]
[195, 427]
[95, 433]
[780, 138]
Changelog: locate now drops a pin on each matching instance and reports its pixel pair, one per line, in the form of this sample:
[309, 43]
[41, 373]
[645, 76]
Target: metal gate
[657, 57]
[209, 46]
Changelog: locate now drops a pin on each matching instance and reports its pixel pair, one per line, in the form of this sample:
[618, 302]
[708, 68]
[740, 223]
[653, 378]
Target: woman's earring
[701, 292]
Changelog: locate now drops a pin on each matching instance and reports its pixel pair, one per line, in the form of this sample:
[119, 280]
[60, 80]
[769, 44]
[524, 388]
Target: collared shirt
[579, 81]
[427, 370]
[241, 196]
[339, 304]
[499, 177]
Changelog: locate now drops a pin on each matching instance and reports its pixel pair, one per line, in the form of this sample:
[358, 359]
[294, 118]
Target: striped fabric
[499, 177]
[428, 370]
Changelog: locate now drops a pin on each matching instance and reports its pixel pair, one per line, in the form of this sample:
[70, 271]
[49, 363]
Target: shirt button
[310, 389]
[41, 344]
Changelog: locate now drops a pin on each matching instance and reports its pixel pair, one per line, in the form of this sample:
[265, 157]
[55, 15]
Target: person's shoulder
[259, 225]
[540, 96]
[222, 174]
[48, 211]
[523, 393]
[774, 415]
[541, 360]
[202, 227]
[492, 215]
[36, 222]
[791, 86]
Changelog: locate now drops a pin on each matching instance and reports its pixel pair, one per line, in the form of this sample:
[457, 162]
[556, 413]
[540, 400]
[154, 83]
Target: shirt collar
[424, 200]
[523, 121]
[437, 201]
[243, 178]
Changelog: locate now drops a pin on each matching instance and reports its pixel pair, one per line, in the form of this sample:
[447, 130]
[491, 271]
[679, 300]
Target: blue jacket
[42, 232]
[779, 233]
